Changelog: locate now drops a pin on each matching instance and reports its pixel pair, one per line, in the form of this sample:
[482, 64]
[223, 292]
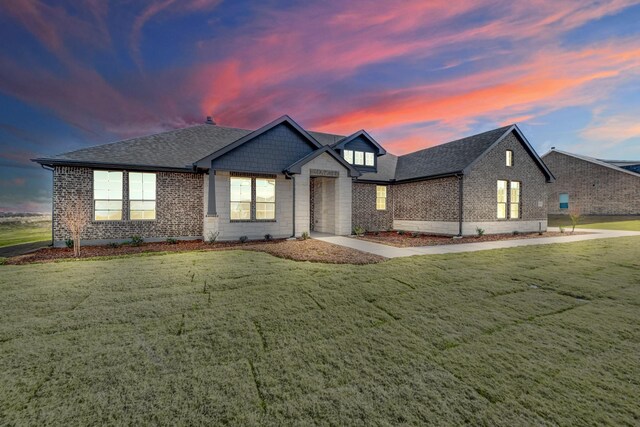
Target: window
[107, 196]
[381, 197]
[142, 195]
[509, 157]
[348, 156]
[368, 159]
[240, 198]
[514, 200]
[265, 198]
[253, 198]
[359, 157]
[502, 199]
[564, 200]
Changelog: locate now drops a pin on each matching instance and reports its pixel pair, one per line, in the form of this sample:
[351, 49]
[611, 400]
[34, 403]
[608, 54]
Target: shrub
[268, 237]
[516, 232]
[136, 240]
[415, 234]
[212, 236]
[172, 241]
[359, 231]
[2, 260]
[243, 239]
[575, 217]
[69, 243]
[113, 245]
[305, 235]
[480, 231]
[561, 229]
[400, 233]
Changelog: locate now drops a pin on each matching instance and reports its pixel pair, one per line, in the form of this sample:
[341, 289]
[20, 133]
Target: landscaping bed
[297, 250]
[405, 239]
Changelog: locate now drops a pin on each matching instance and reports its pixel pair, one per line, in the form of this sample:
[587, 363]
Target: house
[593, 186]
[283, 180]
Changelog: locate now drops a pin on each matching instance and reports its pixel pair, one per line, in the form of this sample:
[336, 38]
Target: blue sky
[414, 74]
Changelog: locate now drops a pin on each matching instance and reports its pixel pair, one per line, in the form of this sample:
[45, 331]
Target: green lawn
[531, 335]
[15, 233]
[628, 223]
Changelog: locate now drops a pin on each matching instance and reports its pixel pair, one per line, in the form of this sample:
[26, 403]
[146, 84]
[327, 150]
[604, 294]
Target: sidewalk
[395, 252]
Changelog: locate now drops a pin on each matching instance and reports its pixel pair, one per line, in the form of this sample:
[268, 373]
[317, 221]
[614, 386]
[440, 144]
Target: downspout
[52, 198]
[460, 200]
[293, 184]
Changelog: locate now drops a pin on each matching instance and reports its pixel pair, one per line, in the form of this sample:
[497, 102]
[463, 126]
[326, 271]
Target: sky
[412, 73]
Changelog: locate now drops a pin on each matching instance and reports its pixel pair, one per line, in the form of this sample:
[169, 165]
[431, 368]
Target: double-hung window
[502, 199]
[107, 195]
[253, 198]
[240, 198]
[265, 198]
[514, 199]
[381, 197]
[142, 195]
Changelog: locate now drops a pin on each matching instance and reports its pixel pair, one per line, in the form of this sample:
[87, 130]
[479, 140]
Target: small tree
[575, 216]
[75, 219]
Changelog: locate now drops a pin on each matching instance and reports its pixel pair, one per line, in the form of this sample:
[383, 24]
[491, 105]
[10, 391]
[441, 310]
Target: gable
[271, 151]
[361, 144]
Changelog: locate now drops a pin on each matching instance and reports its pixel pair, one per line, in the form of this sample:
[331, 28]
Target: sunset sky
[412, 73]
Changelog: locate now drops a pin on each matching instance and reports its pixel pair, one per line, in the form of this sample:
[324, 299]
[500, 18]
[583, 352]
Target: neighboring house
[283, 180]
[593, 186]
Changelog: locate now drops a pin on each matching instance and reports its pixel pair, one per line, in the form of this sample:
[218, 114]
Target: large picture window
[381, 197]
[253, 199]
[142, 195]
[107, 196]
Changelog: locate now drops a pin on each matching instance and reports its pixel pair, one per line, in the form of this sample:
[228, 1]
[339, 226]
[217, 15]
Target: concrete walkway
[394, 252]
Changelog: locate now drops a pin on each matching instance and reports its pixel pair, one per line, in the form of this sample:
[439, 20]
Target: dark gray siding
[269, 152]
[361, 144]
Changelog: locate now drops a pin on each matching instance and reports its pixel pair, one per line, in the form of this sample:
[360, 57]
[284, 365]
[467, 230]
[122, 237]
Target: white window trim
[121, 199]
[155, 192]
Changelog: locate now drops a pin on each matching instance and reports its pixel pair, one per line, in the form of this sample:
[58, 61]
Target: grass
[626, 223]
[15, 233]
[531, 335]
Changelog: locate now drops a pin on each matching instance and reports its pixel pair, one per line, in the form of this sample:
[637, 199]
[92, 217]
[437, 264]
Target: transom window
[252, 198]
[107, 195]
[508, 199]
[142, 195]
[509, 158]
[381, 197]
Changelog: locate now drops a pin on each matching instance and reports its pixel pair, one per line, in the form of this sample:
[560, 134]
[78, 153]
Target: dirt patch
[297, 250]
[409, 239]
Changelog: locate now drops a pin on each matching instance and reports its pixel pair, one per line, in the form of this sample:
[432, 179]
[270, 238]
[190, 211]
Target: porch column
[211, 205]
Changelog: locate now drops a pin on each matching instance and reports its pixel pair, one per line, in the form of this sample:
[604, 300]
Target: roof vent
[210, 121]
[553, 148]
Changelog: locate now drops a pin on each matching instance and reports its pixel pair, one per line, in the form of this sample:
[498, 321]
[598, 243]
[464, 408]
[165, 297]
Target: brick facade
[431, 200]
[179, 206]
[365, 213]
[480, 184]
[592, 188]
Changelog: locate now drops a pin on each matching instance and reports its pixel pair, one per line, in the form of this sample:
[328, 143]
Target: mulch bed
[297, 250]
[409, 239]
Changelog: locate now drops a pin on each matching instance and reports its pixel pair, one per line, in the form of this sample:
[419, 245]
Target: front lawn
[531, 335]
[625, 223]
[18, 232]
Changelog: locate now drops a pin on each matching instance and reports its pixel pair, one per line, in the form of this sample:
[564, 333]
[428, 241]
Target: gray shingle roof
[386, 169]
[447, 158]
[177, 148]
[607, 164]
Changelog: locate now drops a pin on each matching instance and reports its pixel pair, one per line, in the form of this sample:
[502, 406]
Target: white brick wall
[469, 228]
